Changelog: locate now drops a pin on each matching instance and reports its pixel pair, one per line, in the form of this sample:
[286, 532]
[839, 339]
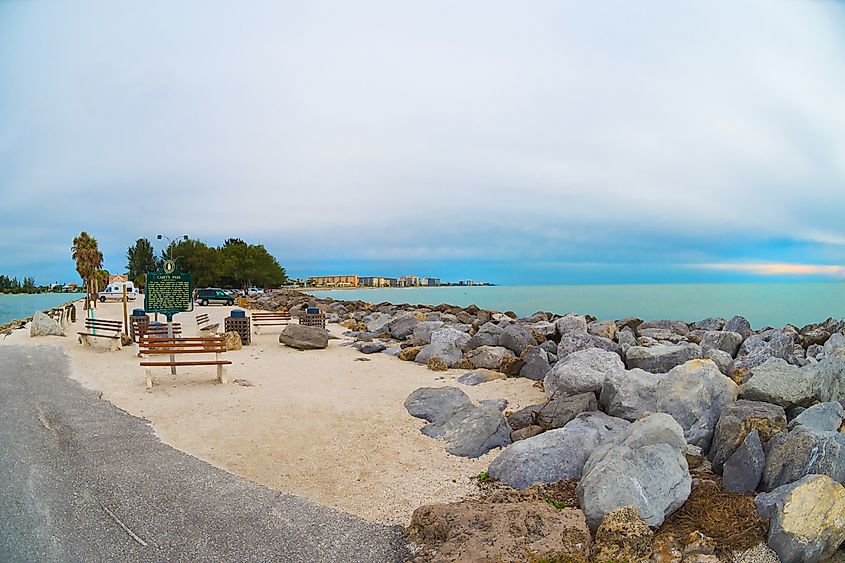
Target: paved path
[81, 480]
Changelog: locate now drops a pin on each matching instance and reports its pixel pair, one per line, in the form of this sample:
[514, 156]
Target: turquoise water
[24, 305]
[772, 304]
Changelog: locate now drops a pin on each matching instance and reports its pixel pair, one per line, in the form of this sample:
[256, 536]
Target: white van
[114, 292]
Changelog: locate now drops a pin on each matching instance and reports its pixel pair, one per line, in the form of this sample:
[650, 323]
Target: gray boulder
[489, 357]
[776, 381]
[536, 364]
[478, 376]
[516, 338]
[790, 456]
[743, 470]
[807, 519]
[643, 466]
[835, 345]
[471, 431]
[487, 335]
[824, 417]
[402, 326]
[723, 360]
[571, 323]
[304, 337]
[711, 323]
[740, 325]
[554, 413]
[694, 394]
[424, 329]
[603, 329]
[678, 327]
[545, 328]
[43, 325]
[449, 353]
[759, 348]
[736, 421]
[431, 403]
[581, 372]
[626, 338]
[370, 347]
[378, 322]
[556, 455]
[449, 336]
[575, 341]
[661, 358]
[721, 340]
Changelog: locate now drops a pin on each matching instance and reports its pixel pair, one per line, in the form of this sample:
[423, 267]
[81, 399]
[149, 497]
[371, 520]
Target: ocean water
[763, 304]
[24, 305]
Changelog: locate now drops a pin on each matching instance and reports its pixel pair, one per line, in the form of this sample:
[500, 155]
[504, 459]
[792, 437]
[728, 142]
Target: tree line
[12, 285]
[234, 264]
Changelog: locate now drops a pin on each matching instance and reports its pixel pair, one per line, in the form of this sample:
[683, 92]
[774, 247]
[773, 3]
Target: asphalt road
[81, 480]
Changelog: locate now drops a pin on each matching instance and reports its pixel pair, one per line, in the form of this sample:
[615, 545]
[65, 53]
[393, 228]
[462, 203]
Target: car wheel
[102, 299]
[230, 303]
[204, 302]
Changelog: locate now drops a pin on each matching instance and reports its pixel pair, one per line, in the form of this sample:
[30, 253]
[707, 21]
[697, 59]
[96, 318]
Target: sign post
[169, 291]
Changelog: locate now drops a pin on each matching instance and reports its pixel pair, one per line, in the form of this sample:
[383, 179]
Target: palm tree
[88, 260]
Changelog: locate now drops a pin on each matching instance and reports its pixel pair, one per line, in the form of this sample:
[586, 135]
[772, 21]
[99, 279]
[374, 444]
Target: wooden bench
[159, 331]
[269, 318]
[205, 325]
[102, 328]
[153, 346]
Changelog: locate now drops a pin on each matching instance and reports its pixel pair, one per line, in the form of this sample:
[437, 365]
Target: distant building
[376, 281]
[333, 281]
[430, 282]
[409, 281]
[70, 287]
[118, 278]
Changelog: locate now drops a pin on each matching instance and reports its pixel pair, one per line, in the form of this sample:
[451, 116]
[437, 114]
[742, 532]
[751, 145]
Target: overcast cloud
[521, 142]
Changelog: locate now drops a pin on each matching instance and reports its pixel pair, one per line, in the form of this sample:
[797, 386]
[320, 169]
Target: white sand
[317, 423]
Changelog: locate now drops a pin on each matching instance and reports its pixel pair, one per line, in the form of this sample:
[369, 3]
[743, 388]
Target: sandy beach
[320, 424]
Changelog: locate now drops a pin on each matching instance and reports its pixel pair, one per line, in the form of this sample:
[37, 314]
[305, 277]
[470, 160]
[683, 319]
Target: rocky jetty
[631, 406]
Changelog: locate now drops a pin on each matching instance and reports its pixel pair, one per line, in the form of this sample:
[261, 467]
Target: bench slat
[201, 363]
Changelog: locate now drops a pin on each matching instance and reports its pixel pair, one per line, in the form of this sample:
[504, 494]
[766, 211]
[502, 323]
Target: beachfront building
[376, 281]
[409, 281]
[333, 281]
[70, 287]
[117, 278]
[430, 282]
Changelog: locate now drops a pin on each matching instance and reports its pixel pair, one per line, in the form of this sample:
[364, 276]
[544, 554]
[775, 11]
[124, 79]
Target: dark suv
[213, 295]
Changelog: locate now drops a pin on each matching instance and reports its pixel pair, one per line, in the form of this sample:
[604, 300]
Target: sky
[514, 142]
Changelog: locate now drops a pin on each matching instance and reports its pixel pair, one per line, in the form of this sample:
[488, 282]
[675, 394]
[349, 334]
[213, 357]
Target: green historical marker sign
[169, 291]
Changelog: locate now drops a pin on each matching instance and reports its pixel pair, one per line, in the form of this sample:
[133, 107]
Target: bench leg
[85, 341]
[148, 374]
[221, 371]
[115, 345]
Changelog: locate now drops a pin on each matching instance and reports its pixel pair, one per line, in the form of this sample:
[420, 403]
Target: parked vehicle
[214, 295]
[114, 292]
[254, 291]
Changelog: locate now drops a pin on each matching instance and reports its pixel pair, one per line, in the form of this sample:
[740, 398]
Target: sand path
[320, 424]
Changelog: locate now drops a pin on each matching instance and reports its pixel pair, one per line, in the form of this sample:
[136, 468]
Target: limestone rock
[409, 354]
[478, 376]
[725, 341]
[402, 326]
[575, 341]
[661, 358]
[431, 403]
[471, 531]
[583, 371]
[760, 348]
[436, 364]
[800, 452]
[232, 339]
[43, 325]
[448, 353]
[489, 357]
[536, 364]
[449, 336]
[825, 417]
[723, 360]
[678, 327]
[603, 329]
[554, 413]
[555, 455]
[807, 519]
[711, 323]
[571, 323]
[423, 330]
[743, 470]
[370, 347]
[642, 465]
[304, 337]
[623, 536]
[516, 338]
[740, 325]
[471, 431]
[737, 420]
[775, 381]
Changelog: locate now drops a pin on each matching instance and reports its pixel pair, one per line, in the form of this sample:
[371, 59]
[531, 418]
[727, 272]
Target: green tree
[140, 259]
[243, 265]
[102, 279]
[196, 258]
[86, 253]
[28, 285]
